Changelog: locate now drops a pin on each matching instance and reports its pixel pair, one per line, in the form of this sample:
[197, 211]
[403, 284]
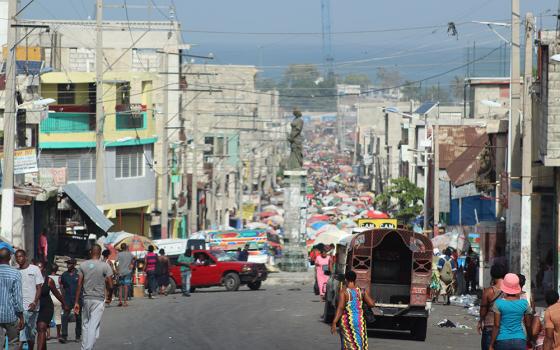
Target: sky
[417, 52]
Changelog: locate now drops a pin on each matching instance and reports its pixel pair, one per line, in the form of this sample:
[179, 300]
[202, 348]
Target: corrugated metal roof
[464, 169]
[453, 141]
[87, 206]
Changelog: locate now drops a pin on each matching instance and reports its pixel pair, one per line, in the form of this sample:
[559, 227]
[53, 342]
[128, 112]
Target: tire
[172, 287]
[328, 313]
[254, 285]
[231, 282]
[419, 329]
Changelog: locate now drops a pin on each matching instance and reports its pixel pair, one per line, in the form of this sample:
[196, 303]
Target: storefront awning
[87, 206]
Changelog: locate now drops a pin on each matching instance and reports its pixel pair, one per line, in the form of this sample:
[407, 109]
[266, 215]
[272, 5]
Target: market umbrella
[376, 214]
[347, 223]
[256, 225]
[330, 237]
[276, 219]
[266, 214]
[327, 228]
[342, 195]
[137, 245]
[270, 207]
[319, 217]
[317, 225]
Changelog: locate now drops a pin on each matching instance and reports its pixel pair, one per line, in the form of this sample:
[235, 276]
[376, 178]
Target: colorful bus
[262, 245]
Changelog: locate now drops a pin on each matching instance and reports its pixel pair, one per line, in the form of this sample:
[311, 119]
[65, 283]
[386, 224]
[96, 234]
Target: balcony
[68, 122]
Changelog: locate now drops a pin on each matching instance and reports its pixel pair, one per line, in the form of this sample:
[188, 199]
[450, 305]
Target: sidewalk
[289, 278]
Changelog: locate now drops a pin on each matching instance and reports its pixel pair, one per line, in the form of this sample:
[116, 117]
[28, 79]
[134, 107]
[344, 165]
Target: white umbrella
[330, 237]
[276, 219]
[256, 225]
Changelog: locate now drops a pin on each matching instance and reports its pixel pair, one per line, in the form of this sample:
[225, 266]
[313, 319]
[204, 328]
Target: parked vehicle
[219, 269]
[396, 265]
[262, 245]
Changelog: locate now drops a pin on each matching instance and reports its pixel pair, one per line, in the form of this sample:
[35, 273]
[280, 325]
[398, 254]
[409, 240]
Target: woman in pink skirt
[322, 269]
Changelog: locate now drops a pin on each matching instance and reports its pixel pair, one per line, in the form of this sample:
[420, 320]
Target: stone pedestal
[295, 256]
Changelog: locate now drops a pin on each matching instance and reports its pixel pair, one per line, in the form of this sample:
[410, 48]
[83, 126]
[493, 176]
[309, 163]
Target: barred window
[129, 161]
[79, 163]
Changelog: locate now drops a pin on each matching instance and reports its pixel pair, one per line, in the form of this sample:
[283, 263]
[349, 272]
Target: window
[221, 148]
[66, 94]
[79, 164]
[129, 161]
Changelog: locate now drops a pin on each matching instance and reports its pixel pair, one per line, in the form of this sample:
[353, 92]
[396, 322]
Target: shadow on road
[400, 335]
[202, 291]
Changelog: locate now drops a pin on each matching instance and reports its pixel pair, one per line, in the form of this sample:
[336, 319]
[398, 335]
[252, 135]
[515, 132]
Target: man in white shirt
[31, 282]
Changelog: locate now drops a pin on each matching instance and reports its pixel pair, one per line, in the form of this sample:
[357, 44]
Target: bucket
[138, 291]
[139, 279]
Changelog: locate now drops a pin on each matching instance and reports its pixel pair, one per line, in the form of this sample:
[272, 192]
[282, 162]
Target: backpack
[446, 273]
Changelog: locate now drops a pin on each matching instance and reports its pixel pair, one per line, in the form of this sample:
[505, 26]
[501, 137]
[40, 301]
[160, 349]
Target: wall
[498, 93]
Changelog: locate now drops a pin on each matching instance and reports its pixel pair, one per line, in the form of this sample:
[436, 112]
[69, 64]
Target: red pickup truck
[216, 268]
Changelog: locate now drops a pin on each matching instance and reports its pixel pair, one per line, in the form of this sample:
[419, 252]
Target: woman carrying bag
[351, 314]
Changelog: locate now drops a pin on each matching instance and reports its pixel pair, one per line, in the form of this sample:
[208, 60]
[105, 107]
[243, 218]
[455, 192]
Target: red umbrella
[375, 214]
[266, 214]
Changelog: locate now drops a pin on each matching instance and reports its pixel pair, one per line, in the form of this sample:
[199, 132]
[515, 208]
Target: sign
[247, 211]
[377, 223]
[25, 161]
[54, 177]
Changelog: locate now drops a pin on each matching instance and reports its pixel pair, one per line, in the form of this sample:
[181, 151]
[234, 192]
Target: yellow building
[67, 140]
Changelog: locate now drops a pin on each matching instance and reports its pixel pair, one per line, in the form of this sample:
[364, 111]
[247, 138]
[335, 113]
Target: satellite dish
[489, 103]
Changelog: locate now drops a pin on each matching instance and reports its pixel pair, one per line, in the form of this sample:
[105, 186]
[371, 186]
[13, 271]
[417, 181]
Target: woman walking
[322, 271]
[162, 272]
[489, 296]
[512, 317]
[47, 307]
[350, 313]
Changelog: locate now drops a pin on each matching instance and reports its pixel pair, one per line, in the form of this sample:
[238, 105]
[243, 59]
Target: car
[216, 268]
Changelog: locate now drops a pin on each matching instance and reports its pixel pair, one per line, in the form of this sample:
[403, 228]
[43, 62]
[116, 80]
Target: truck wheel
[231, 282]
[172, 287]
[254, 285]
[419, 328]
[328, 313]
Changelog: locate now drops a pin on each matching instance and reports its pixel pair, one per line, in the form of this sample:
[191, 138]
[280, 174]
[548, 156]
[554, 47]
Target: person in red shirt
[43, 247]
[150, 269]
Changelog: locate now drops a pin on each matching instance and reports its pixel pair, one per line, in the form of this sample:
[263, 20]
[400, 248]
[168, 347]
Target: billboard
[377, 223]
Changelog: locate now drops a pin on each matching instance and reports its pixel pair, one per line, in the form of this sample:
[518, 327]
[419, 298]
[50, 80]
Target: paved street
[276, 317]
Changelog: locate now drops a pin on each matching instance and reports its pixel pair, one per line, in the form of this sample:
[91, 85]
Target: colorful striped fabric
[352, 324]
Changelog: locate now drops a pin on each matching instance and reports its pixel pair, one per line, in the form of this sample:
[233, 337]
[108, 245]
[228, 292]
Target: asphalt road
[275, 317]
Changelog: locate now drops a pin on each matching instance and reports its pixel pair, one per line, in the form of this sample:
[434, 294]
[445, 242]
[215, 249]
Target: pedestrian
[125, 264]
[162, 272]
[471, 273]
[43, 249]
[350, 313]
[46, 312]
[94, 278]
[512, 317]
[524, 294]
[244, 254]
[150, 268]
[489, 296]
[69, 286]
[447, 268]
[11, 299]
[185, 261]
[31, 282]
[539, 326]
[322, 271]
[57, 317]
[105, 258]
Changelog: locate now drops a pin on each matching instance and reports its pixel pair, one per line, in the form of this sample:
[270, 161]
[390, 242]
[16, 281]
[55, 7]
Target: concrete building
[487, 98]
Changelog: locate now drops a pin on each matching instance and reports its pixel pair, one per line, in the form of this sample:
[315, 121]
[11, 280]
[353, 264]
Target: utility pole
[514, 149]
[435, 142]
[194, 179]
[165, 151]
[526, 182]
[99, 117]
[10, 113]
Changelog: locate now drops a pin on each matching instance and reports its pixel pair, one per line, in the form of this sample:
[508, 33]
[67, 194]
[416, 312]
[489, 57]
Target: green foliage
[401, 199]
[302, 86]
[388, 78]
[358, 79]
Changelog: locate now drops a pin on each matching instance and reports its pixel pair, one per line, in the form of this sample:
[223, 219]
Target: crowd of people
[33, 296]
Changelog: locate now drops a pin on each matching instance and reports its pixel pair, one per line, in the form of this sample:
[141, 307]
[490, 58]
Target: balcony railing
[62, 122]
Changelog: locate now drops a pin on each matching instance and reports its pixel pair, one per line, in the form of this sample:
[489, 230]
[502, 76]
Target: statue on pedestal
[295, 161]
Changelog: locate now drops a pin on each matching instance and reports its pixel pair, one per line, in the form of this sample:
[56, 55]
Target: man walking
[11, 300]
[150, 268]
[552, 326]
[447, 268]
[125, 264]
[185, 261]
[31, 283]
[244, 254]
[94, 277]
[69, 283]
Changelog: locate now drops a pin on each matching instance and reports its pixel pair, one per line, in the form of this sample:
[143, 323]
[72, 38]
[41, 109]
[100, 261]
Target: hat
[510, 284]
[71, 261]
[5, 245]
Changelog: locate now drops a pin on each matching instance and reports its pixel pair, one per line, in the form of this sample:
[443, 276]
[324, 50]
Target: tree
[358, 79]
[401, 199]
[303, 86]
[387, 78]
[411, 91]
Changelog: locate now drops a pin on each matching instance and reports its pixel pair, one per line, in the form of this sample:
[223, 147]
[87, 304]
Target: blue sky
[421, 51]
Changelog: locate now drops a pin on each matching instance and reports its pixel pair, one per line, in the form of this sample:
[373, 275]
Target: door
[205, 271]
